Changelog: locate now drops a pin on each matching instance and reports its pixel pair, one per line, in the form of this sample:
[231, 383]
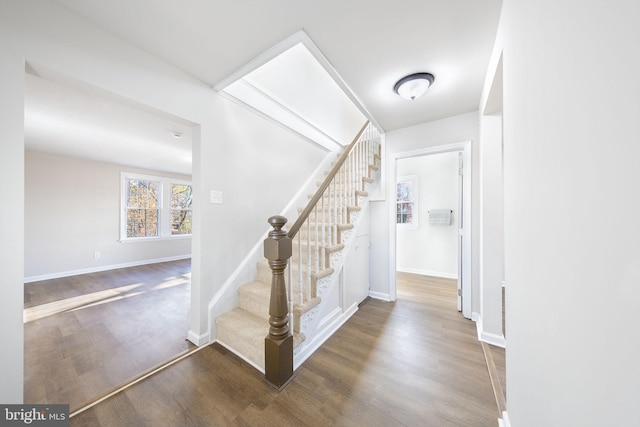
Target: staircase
[319, 239]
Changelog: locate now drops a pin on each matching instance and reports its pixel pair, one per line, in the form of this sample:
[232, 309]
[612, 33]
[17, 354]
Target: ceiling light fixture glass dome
[413, 85]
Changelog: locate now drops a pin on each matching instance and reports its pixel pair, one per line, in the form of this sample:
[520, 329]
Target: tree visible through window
[155, 207]
[142, 208]
[180, 209]
[406, 203]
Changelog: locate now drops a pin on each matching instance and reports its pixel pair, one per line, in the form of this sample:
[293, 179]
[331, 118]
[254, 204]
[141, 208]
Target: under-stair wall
[322, 292]
[227, 297]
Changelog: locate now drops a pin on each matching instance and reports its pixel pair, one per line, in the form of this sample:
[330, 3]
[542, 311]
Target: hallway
[416, 361]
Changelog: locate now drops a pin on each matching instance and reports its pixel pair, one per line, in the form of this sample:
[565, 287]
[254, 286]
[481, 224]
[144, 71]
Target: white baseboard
[102, 268]
[323, 335]
[504, 421]
[333, 316]
[489, 338]
[198, 340]
[493, 339]
[379, 295]
[428, 273]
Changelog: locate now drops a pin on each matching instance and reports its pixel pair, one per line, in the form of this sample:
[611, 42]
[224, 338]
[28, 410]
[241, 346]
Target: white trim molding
[198, 340]
[504, 421]
[489, 338]
[281, 47]
[102, 268]
[379, 295]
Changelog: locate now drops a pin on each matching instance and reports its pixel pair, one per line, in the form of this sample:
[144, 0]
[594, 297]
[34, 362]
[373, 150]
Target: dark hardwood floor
[413, 362]
[86, 334]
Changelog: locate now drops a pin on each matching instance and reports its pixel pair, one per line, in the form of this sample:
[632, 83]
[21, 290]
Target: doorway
[433, 237]
[82, 282]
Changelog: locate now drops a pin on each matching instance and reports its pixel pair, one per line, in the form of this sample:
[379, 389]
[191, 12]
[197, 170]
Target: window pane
[404, 191]
[152, 194]
[132, 193]
[404, 213]
[142, 222]
[180, 222]
[180, 196]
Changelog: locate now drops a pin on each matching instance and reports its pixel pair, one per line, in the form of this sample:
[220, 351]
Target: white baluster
[308, 290]
[290, 292]
[316, 246]
[328, 193]
[335, 212]
[300, 268]
[324, 232]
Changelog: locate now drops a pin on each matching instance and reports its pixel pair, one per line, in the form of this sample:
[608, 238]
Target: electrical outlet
[96, 255]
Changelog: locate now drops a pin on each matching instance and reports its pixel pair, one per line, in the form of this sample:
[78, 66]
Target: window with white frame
[180, 209]
[407, 200]
[154, 207]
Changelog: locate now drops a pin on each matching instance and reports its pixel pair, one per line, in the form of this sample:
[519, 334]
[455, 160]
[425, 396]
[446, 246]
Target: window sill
[155, 239]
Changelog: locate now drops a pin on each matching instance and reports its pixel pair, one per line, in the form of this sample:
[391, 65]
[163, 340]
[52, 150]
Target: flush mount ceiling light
[413, 85]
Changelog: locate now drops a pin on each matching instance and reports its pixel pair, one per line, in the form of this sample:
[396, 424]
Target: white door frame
[465, 148]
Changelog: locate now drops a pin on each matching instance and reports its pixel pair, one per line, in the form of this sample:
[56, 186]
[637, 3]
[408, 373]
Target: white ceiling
[69, 118]
[371, 44]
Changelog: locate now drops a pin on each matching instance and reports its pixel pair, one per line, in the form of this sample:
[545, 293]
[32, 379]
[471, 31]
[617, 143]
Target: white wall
[430, 249]
[491, 230]
[11, 220]
[71, 212]
[235, 151]
[441, 132]
[572, 203]
[490, 318]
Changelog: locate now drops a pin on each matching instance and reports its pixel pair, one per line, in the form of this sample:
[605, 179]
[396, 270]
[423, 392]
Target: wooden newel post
[278, 345]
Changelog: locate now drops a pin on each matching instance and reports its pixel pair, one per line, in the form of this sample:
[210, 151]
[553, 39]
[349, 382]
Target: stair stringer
[318, 330]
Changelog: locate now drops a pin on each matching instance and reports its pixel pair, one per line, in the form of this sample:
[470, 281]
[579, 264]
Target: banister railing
[320, 191]
[324, 219]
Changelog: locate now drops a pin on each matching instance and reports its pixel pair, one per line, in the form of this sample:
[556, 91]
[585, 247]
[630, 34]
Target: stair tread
[251, 323]
[247, 332]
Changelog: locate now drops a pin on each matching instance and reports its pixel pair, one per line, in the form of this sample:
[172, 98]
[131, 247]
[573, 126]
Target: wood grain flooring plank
[98, 330]
[415, 362]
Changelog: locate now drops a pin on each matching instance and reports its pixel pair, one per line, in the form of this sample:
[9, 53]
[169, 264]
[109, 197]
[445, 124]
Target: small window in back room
[406, 200]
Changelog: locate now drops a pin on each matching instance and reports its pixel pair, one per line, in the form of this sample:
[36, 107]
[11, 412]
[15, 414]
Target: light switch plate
[215, 197]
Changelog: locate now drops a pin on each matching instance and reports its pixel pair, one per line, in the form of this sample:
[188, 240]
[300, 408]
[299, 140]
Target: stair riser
[265, 275]
[260, 307]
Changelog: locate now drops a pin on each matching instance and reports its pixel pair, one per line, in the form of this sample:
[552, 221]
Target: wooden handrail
[318, 195]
